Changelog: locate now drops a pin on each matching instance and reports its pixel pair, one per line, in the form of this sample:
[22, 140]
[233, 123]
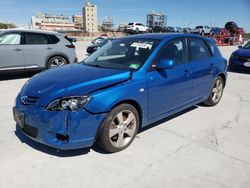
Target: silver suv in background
[202, 30]
[34, 50]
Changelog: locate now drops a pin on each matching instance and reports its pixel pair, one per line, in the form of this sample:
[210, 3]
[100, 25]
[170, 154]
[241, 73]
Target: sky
[183, 13]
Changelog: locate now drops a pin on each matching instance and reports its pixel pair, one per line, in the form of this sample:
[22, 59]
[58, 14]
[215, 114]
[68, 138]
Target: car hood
[71, 80]
[242, 52]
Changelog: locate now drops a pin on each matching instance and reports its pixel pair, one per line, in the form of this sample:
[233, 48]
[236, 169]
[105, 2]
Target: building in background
[122, 27]
[78, 22]
[51, 22]
[90, 24]
[107, 24]
[156, 19]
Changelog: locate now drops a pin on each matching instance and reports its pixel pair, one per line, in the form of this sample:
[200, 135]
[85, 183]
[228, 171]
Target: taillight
[70, 46]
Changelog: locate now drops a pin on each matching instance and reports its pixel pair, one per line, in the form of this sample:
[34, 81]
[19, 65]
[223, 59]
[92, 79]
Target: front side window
[36, 38]
[10, 39]
[123, 53]
[198, 49]
[174, 50]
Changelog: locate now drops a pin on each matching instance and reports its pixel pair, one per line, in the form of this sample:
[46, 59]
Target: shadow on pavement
[14, 76]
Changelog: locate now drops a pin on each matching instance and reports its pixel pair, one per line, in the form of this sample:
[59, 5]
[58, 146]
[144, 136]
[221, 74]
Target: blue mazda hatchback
[126, 85]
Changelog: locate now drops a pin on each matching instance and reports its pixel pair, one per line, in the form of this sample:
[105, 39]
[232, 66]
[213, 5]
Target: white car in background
[136, 27]
[202, 30]
[22, 50]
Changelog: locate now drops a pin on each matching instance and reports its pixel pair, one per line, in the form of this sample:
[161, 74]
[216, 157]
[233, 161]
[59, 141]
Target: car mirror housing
[166, 64]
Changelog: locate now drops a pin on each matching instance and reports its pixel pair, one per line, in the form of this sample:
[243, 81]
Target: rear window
[131, 24]
[36, 38]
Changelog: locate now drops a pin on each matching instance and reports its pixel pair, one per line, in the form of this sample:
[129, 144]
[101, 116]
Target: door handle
[18, 49]
[49, 48]
[188, 72]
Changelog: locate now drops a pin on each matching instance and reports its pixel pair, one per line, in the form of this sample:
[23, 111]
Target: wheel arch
[134, 104]
[223, 76]
[56, 54]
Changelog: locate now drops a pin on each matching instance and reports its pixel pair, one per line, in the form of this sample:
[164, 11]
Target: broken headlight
[69, 103]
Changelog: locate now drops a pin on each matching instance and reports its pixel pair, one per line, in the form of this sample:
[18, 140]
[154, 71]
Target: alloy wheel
[217, 91]
[122, 128]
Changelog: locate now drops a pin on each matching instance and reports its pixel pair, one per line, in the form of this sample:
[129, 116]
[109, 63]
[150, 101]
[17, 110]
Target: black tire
[52, 62]
[211, 99]
[105, 140]
[137, 31]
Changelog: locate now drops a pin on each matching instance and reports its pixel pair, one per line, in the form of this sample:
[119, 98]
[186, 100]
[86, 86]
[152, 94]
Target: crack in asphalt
[136, 180]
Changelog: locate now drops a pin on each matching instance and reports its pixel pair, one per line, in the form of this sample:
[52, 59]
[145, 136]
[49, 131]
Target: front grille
[31, 131]
[28, 100]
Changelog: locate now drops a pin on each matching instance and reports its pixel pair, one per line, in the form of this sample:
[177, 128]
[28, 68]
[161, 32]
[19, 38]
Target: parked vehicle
[136, 27]
[95, 47]
[202, 30]
[240, 59]
[170, 29]
[187, 30]
[23, 50]
[159, 29]
[119, 89]
[98, 40]
[216, 31]
[178, 30]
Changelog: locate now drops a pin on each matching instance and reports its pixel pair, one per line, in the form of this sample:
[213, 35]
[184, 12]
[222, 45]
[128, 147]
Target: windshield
[247, 45]
[122, 53]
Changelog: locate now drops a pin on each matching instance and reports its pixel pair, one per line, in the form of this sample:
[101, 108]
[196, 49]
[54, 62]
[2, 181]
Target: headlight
[69, 103]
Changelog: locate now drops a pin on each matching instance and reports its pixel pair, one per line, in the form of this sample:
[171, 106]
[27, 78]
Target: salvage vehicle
[126, 85]
[25, 50]
[240, 59]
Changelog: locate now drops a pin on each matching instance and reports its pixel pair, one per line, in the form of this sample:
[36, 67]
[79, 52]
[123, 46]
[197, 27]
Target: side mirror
[239, 46]
[166, 64]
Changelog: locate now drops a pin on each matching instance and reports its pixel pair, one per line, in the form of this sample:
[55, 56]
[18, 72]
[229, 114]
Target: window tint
[174, 50]
[10, 38]
[36, 38]
[138, 24]
[53, 39]
[198, 49]
[211, 46]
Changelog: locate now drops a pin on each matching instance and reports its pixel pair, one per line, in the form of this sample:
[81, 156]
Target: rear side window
[36, 38]
[211, 46]
[198, 49]
[53, 39]
[67, 38]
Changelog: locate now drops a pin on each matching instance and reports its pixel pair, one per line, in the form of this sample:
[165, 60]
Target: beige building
[51, 22]
[90, 23]
[78, 21]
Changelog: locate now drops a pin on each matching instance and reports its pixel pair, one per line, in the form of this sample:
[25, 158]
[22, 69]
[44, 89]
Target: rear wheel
[56, 61]
[119, 129]
[216, 93]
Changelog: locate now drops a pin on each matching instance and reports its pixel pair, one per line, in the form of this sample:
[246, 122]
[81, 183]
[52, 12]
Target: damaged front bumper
[62, 130]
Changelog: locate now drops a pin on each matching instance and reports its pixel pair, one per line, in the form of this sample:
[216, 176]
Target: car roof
[161, 36]
[31, 30]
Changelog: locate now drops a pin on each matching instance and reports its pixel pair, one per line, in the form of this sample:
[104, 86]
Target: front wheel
[216, 93]
[119, 128]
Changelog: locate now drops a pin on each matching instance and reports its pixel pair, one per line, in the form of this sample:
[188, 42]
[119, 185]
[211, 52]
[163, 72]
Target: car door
[36, 50]
[169, 89]
[203, 67]
[11, 51]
